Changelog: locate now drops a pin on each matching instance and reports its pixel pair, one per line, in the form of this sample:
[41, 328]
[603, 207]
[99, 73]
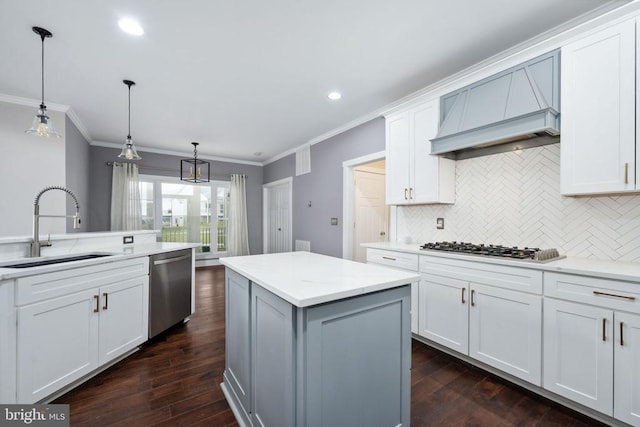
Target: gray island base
[313, 340]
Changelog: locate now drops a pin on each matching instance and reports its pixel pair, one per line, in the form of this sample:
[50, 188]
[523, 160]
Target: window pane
[186, 214]
[146, 201]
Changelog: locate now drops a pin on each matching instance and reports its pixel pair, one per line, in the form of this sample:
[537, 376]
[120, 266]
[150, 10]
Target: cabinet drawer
[393, 259]
[515, 278]
[40, 287]
[613, 294]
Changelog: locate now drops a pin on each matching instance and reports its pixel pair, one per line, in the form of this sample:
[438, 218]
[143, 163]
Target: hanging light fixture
[128, 150]
[194, 170]
[42, 124]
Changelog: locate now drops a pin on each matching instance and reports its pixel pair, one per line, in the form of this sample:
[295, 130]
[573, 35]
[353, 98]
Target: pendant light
[194, 170]
[42, 124]
[128, 150]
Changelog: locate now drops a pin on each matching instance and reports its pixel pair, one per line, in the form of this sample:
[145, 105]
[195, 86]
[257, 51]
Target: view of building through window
[186, 212]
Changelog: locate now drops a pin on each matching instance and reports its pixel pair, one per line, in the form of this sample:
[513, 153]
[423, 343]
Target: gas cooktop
[514, 252]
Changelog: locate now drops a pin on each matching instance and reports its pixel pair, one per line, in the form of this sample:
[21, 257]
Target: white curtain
[125, 198]
[238, 233]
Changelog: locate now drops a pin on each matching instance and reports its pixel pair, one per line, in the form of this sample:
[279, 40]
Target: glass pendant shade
[42, 125]
[129, 151]
[195, 170]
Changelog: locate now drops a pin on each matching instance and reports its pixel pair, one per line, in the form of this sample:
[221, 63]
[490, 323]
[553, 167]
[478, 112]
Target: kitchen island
[316, 341]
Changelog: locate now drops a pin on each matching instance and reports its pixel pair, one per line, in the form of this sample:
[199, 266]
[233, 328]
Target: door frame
[265, 210]
[348, 167]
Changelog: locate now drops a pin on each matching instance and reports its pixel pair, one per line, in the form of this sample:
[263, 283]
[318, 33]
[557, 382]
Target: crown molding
[176, 153]
[71, 113]
[29, 102]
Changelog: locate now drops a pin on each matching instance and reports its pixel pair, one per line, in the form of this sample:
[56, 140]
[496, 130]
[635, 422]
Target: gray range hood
[515, 109]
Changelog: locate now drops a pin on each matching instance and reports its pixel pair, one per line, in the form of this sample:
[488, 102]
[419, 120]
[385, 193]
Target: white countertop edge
[404, 278]
[119, 254]
[606, 269]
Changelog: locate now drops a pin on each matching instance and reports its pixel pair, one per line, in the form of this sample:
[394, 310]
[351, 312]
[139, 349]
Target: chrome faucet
[36, 244]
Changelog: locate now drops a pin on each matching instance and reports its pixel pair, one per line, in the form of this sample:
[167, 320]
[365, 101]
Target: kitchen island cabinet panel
[237, 336]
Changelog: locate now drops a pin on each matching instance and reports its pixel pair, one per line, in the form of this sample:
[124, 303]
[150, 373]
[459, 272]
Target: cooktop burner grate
[513, 252]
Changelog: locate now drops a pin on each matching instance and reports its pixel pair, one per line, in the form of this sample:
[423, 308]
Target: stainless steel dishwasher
[169, 289]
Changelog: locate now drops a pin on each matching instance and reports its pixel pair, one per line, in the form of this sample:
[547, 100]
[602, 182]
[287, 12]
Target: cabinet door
[578, 353]
[424, 167]
[57, 344]
[237, 336]
[397, 159]
[505, 331]
[443, 311]
[124, 317]
[272, 377]
[598, 112]
[626, 406]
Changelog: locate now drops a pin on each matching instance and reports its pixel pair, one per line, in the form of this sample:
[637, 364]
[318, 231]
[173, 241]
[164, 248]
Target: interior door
[277, 217]
[371, 214]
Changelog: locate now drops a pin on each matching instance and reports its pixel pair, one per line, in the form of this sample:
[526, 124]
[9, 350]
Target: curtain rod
[172, 170]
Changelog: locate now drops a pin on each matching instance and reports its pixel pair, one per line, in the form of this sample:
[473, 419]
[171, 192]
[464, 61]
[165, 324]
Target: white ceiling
[251, 76]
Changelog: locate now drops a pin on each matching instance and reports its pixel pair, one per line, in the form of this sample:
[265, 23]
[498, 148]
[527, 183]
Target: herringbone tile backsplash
[514, 199]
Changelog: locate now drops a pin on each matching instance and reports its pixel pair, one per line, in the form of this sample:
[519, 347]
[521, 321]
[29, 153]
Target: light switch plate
[334, 221]
[440, 223]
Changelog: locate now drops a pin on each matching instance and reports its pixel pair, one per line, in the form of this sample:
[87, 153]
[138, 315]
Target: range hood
[516, 109]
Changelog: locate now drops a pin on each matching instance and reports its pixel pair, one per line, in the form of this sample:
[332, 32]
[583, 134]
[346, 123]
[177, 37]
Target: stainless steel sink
[56, 260]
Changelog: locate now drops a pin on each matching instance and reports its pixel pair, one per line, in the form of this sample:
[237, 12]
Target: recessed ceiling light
[334, 96]
[131, 26]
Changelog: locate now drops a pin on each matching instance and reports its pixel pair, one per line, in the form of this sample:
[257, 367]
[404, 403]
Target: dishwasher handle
[168, 260]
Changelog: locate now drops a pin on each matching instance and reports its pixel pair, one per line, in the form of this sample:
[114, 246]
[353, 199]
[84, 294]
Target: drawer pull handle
[97, 307]
[473, 299]
[106, 301]
[389, 258]
[621, 332]
[604, 325]
[463, 289]
[598, 293]
[411, 193]
[405, 194]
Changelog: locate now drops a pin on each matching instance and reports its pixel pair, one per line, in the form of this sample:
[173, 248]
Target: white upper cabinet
[598, 126]
[414, 176]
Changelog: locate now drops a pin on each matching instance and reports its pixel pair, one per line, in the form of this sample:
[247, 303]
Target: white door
[443, 311]
[371, 214]
[124, 317]
[505, 331]
[627, 369]
[277, 220]
[578, 353]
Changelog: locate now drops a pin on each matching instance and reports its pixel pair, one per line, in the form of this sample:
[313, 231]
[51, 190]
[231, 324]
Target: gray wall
[323, 186]
[100, 197]
[77, 172]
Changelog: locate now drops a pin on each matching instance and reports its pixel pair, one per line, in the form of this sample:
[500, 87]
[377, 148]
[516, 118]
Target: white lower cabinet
[71, 322]
[592, 343]
[497, 326]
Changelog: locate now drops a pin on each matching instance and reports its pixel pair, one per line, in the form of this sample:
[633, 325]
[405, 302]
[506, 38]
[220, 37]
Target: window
[186, 212]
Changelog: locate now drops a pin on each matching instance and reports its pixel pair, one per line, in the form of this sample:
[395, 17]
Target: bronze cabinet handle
[621, 334]
[389, 258]
[604, 325]
[97, 307]
[106, 301]
[411, 193]
[626, 173]
[473, 300]
[606, 294]
[405, 194]
[463, 290]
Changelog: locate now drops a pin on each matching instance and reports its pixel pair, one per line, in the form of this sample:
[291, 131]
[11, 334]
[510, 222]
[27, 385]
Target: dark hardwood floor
[174, 380]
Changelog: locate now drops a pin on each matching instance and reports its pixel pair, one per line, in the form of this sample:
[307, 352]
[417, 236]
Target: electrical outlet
[440, 223]
[127, 239]
[334, 221]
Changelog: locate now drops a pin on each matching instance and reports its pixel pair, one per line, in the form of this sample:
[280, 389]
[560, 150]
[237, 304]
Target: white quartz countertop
[615, 270]
[305, 279]
[118, 253]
